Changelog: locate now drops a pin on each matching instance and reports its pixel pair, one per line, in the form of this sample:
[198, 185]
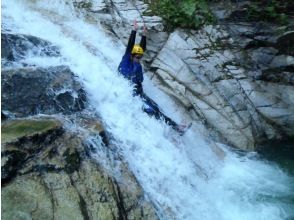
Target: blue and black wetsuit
[133, 71]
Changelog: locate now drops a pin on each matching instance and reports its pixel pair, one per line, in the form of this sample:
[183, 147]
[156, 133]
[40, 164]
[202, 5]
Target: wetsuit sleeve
[131, 42]
[143, 42]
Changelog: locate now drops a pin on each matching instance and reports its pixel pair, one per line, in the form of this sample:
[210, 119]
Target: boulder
[54, 177]
[15, 47]
[14, 133]
[33, 90]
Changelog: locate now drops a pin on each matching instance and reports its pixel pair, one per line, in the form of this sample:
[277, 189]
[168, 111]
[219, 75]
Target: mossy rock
[72, 159]
[15, 129]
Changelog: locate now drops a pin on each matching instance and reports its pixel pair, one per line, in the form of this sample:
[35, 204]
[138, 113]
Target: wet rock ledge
[47, 173]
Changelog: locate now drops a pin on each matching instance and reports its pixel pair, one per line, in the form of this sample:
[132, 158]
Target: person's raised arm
[143, 39]
[132, 38]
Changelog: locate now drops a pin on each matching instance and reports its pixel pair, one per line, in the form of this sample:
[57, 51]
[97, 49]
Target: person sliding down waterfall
[131, 69]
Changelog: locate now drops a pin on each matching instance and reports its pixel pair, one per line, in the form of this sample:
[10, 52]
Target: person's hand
[135, 25]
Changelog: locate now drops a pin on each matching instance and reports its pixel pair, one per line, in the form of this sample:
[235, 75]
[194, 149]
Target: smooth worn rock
[263, 56]
[29, 91]
[54, 178]
[27, 198]
[282, 61]
[13, 130]
[21, 138]
[208, 76]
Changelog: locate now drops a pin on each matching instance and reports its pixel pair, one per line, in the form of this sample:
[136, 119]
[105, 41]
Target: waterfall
[185, 177]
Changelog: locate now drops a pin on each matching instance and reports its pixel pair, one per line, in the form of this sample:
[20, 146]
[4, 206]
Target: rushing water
[187, 178]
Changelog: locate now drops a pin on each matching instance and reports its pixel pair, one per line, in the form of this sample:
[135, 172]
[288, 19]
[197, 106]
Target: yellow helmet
[137, 49]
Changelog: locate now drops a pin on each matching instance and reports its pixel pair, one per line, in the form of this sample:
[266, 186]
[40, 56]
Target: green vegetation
[72, 159]
[269, 10]
[193, 14]
[19, 128]
[182, 13]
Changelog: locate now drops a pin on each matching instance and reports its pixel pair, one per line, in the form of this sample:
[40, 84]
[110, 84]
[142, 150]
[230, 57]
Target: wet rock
[283, 75]
[55, 178]
[16, 47]
[282, 61]
[22, 138]
[285, 43]
[4, 115]
[92, 124]
[29, 91]
[201, 73]
[263, 56]
[27, 199]
[13, 130]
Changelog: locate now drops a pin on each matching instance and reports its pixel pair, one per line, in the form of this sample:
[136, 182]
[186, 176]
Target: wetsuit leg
[138, 90]
[156, 111]
[169, 121]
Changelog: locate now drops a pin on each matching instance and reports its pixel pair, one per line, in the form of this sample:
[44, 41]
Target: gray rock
[263, 55]
[29, 91]
[213, 80]
[285, 43]
[55, 179]
[282, 61]
[16, 47]
[39, 132]
[283, 75]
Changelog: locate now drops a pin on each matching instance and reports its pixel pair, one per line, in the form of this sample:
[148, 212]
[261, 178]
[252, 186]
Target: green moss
[73, 160]
[15, 129]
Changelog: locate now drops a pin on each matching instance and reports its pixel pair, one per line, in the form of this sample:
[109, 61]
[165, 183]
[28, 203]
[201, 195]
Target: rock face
[47, 174]
[236, 77]
[223, 91]
[17, 47]
[28, 90]
[33, 90]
